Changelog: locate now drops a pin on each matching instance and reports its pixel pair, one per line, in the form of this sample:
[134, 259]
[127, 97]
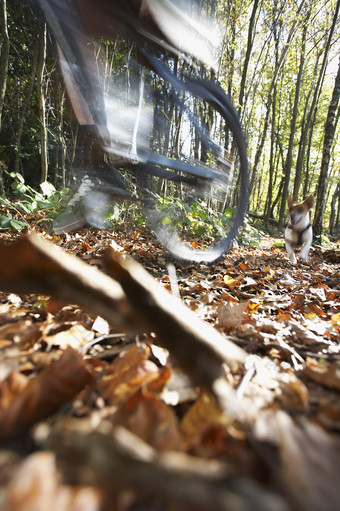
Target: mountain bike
[176, 139]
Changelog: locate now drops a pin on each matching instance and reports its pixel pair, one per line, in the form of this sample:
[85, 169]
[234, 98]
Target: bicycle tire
[197, 219]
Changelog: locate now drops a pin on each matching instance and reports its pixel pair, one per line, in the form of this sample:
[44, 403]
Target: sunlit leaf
[336, 319]
[47, 188]
[229, 281]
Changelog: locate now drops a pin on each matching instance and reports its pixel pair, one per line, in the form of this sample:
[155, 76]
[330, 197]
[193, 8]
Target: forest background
[278, 61]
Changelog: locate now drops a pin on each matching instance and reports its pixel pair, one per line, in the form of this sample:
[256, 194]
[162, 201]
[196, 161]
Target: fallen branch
[198, 347]
[134, 301]
[33, 265]
[123, 461]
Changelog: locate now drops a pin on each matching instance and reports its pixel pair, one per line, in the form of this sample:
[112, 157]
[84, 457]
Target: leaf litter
[115, 395]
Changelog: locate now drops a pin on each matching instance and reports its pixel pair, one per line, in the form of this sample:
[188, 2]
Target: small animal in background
[299, 231]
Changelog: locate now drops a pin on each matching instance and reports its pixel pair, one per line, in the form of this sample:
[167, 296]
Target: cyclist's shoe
[100, 185]
[91, 204]
[72, 219]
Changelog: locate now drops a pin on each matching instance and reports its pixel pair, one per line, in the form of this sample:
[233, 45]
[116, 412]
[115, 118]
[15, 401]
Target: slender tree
[25, 106]
[278, 67]
[251, 28]
[289, 157]
[326, 154]
[306, 124]
[4, 58]
[42, 102]
[269, 197]
[334, 224]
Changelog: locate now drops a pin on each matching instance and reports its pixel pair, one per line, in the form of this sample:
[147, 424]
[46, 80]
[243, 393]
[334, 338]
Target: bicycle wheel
[197, 180]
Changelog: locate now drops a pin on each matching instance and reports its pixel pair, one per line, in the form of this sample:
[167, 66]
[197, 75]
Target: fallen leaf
[101, 326]
[204, 412]
[229, 281]
[336, 319]
[130, 371]
[11, 388]
[74, 337]
[328, 377]
[309, 465]
[228, 297]
[319, 292]
[152, 420]
[57, 384]
[23, 332]
[36, 486]
[248, 282]
[254, 304]
[232, 314]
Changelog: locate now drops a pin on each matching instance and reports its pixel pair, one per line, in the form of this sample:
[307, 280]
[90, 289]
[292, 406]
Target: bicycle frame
[199, 177]
[148, 44]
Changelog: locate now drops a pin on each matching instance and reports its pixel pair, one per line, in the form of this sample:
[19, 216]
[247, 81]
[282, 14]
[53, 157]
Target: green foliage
[324, 243]
[195, 217]
[250, 234]
[274, 22]
[7, 222]
[26, 202]
[126, 212]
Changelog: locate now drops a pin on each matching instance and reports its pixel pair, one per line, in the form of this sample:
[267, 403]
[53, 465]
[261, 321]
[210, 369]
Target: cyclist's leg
[98, 182]
[79, 105]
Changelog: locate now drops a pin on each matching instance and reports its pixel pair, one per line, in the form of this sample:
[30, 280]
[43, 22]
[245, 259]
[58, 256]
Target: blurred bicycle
[174, 139]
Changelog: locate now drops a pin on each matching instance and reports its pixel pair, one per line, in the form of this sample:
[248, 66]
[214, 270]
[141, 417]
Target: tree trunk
[60, 160]
[333, 219]
[231, 72]
[337, 219]
[326, 154]
[4, 55]
[269, 197]
[277, 69]
[248, 53]
[289, 158]
[24, 109]
[41, 102]
[261, 142]
[306, 128]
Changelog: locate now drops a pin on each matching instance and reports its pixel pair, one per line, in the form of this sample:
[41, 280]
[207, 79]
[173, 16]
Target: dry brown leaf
[11, 388]
[37, 487]
[130, 371]
[227, 297]
[309, 472]
[233, 314]
[32, 265]
[151, 420]
[75, 337]
[328, 377]
[203, 413]
[292, 394]
[23, 332]
[198, 348]
[133, 301]
[182, 482]
[57, 384]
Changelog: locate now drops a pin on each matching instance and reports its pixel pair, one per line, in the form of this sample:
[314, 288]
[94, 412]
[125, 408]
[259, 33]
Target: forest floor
[96, 417]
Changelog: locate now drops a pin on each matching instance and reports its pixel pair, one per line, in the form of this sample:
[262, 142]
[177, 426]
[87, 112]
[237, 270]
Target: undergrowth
[27, 205]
